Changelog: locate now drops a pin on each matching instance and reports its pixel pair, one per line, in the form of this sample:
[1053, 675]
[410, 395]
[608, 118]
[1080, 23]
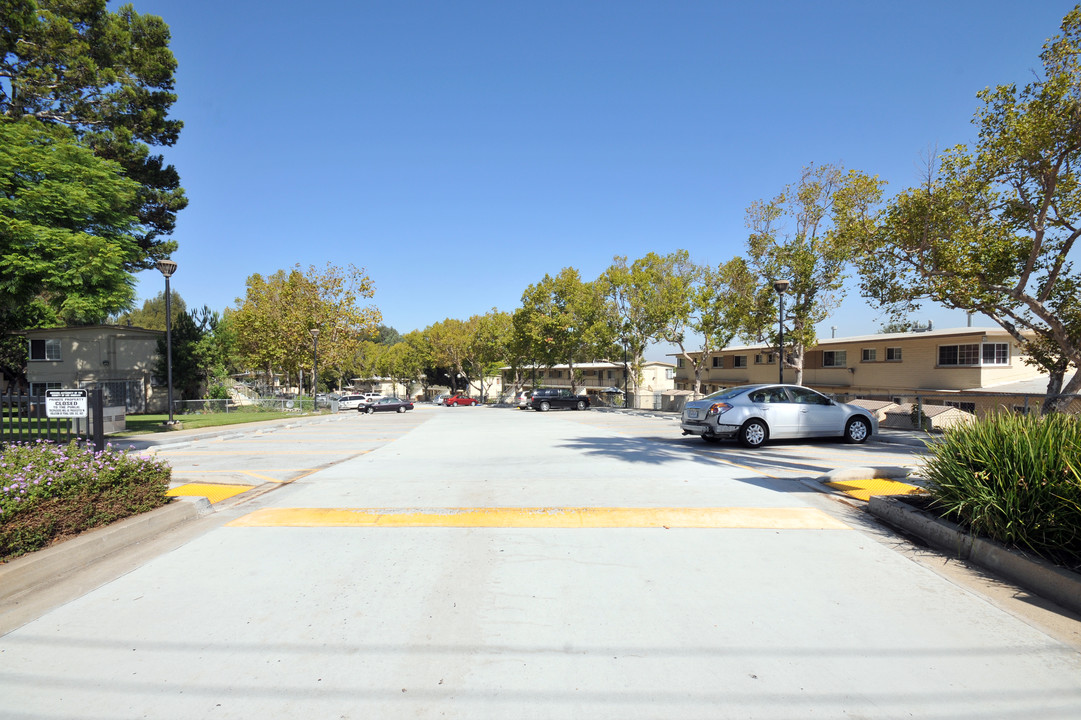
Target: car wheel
[857, 430]
[401, 409]
[369, 410]
[545, 406]
[753, 433]
[582, 405]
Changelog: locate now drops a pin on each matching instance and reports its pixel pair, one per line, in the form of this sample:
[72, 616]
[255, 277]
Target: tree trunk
[1058, 398]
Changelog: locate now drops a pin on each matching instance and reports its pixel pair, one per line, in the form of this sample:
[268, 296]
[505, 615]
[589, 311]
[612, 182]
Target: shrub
[49, 492]
[1015, 479]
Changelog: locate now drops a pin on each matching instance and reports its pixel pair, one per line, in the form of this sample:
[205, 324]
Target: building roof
[69, 328]
[877, 337]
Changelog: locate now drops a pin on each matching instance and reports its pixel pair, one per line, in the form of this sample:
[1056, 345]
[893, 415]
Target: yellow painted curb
[553, 517]
[864, 489]
[213, 493]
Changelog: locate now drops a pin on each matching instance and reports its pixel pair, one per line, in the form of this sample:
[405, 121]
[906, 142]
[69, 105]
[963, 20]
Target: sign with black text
[65, 403]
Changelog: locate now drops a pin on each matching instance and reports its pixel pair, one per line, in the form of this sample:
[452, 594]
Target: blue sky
[459, 151]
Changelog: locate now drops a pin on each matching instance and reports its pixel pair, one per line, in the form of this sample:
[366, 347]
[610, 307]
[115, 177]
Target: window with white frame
[835, 358]
[718, 362]
[893, 354]
[739, 361]
[869, 355]
[44, 349]
[974, 354]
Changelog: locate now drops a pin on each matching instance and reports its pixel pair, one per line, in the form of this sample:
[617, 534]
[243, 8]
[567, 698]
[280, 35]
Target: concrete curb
[22, 574]
[1032, 573]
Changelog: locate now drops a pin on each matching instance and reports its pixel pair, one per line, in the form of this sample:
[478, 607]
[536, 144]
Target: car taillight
[718, 409]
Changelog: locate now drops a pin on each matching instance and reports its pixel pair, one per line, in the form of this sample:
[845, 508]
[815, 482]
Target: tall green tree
[718, 305]
[108, 78]
[273, 322]
[994, 229]
[151, 315]
[807, 236]
[67, 232]
[648, 295]
[568, 321]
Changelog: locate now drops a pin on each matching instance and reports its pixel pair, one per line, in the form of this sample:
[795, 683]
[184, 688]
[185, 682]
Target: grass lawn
[144, 424]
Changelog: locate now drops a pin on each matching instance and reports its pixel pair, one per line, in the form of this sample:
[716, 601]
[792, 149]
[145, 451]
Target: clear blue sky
[458, 151]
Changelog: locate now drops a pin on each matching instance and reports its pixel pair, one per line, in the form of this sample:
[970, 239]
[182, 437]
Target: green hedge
[1015, 479]
[49, 492]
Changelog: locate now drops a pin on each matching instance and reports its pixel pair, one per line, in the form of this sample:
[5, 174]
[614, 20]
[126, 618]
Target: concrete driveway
[492, 563]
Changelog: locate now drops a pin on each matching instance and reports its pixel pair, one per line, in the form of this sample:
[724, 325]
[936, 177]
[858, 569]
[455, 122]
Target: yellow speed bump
[213, 493]
[864, 489]
[548, 517]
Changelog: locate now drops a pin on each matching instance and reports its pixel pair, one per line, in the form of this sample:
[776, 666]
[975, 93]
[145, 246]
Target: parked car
[350, 402]
[754, 414]
[545, 399]
[522, 399]
[460, 400]
[441, 399]
[386, 404]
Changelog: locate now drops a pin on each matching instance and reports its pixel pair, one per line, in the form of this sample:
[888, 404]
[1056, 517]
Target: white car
[350, 402]
[754, 414]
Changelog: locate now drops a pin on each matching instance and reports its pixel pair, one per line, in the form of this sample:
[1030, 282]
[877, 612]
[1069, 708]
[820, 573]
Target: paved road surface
[490, 563]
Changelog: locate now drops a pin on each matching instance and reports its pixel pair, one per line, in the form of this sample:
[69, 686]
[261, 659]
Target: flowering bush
[52, 491]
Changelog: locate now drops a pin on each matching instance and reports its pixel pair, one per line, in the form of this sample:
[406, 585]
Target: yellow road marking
[553, 517]
[864, 489]
[213, 493]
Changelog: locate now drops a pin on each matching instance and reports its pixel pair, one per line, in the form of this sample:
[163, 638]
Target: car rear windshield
[727, 393]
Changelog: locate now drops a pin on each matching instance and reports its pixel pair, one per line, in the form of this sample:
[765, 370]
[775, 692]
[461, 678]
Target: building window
[739, 361]
[966, 406]
[766, 359]
[679, 363]
[557, 374]
[996, 353]
[37, 389]
[669, 373]
[718, 362]
[835, 358]
[870, 355]
[893, 354]
[44, 349]
[973, 354]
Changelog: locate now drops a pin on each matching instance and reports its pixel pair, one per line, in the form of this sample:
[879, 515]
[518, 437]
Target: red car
[461, 400]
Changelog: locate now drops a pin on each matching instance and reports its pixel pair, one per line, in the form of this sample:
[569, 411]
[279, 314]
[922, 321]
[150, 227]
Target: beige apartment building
[900, 367]
[118, 359]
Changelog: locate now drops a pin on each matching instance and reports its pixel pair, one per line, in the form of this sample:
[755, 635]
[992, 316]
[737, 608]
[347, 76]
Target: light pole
[167, 268]
[315, 365]
[780, 286]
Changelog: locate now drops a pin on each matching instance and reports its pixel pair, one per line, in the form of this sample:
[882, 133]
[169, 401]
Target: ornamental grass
[51, 492]
[1015, 479]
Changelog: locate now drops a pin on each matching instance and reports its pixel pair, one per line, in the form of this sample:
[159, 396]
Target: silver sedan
[756, 413]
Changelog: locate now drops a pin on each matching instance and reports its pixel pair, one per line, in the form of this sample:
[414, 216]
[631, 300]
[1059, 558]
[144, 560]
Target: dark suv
[547, 398]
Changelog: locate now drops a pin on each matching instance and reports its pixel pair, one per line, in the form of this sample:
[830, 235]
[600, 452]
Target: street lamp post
[167, 268]
[315, 365]
[780, 286]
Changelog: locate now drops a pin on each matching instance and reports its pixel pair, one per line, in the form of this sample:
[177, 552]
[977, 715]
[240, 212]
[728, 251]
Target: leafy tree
[568, 321]
[827, 208]
[273, 321]
[719, 304]
[400, 362]
[67, 232]
[108, 78]
[151, 315]
[994, 229]
[648, 295]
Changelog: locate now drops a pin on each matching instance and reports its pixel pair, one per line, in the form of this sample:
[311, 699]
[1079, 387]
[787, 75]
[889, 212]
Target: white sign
[65, 403]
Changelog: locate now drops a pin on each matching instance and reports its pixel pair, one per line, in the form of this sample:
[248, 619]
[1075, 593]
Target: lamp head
[314, 332]
[780, 286]
[167, 267]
